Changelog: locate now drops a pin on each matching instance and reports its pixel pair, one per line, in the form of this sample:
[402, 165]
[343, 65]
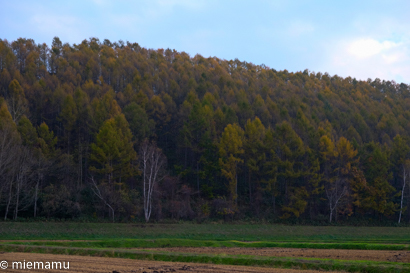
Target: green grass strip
[302, 263]
[159, 243]
[210, 231]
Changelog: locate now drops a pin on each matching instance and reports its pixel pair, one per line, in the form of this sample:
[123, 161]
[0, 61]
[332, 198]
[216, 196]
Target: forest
[112, 131]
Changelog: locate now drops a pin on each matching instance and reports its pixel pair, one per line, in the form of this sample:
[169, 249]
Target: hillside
[240, 141]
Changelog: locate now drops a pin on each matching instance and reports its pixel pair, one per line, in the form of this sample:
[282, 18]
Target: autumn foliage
[239, 140]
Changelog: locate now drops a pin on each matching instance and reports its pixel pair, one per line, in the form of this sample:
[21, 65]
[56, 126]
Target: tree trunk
[17, 200]
[250, 186]
[402, 193]
[8, 202]
[236, 186]
[197, 177]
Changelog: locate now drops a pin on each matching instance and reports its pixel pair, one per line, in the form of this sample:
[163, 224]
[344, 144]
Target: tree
[96, 190]
[17, 100]
[377, 172]
[9, 143]
[113, 152]
[153, 166]
[83, 132]
[253, 147]
[27, 132]
[270, 166]
[22, 171]
[113, 157]
[141, 126]
[400, 159]
[290, 151]
[197, 134]
[68, 116]
[46, 140]
[230, 148]
[406, 171]
[105, 108]
[40, 163]
[337, 172]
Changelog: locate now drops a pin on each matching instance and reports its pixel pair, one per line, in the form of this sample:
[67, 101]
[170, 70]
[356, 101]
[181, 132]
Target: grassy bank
[215, 232]
[165, 243]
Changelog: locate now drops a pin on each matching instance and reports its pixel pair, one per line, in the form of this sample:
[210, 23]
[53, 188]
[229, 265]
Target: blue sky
[361, 39]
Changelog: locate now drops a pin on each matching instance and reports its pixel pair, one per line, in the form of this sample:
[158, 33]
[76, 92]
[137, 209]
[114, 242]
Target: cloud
[365, 58]
[364, 48]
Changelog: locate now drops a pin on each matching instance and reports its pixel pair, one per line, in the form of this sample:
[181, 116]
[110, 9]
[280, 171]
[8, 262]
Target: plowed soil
[337, 254]
[82, 264]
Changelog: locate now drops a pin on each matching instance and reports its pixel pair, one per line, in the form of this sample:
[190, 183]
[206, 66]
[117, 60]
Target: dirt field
[339, 254]
[80, 264]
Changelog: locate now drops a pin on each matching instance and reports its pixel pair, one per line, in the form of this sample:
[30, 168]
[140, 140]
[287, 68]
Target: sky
[360, 39]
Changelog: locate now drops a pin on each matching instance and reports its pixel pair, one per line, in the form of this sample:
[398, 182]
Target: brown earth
[337, 254]
[83, 264]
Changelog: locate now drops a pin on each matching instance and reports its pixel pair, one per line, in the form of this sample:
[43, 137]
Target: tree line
[117, 131]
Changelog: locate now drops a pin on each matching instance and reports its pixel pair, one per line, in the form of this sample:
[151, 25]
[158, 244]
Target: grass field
[132, 241]
[218, 232]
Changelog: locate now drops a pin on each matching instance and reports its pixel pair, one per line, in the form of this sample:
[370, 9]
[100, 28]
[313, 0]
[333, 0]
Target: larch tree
[68, 116]
[377, 172]
[291, 152]
[270, 167]
[337, 175]
[113, 157]
[112, 152]
[254, 155]
[230, 150]
[17, 100]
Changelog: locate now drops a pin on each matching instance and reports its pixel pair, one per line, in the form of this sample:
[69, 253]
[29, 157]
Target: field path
[83, 264]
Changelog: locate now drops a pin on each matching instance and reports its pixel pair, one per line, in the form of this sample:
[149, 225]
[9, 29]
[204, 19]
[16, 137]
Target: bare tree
[335, 191]
[23, 169]
[406, 167]
[18, 179]
[9, 142]
[97, 192]
[41, 165]
[152, 164]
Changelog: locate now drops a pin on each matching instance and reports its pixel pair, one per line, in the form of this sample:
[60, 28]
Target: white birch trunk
[402, 192]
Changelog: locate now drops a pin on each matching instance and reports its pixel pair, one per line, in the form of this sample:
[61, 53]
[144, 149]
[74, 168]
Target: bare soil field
[82, 264]
[338, 254]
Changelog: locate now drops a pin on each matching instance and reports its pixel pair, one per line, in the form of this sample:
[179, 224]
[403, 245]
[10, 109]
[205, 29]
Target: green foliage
[46, 140]
[230, 148]
[377, 173]
[113, 150]
[27, 132]
[5, 116]
[141, 125]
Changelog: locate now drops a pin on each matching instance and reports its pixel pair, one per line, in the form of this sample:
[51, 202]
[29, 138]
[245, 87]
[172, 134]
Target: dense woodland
[114, 131]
